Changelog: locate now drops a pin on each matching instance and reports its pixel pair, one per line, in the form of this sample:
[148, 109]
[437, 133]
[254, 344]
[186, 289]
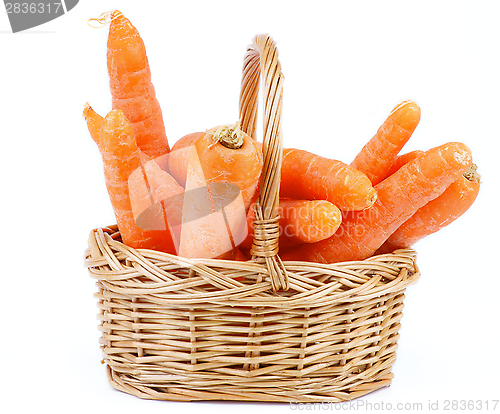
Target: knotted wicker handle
[261, 60]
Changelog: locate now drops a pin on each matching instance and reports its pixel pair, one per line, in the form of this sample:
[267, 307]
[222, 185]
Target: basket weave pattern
[204, 329]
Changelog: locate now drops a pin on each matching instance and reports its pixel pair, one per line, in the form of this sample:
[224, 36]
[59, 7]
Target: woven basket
[263, 330]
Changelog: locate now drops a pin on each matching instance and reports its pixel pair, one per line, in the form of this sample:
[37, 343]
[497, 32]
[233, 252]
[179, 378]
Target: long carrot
[378, 155]
[400, 196]
[121, 159]
[438, 213]
[402, 160]
[131, 87]
[306, 176]
[227, 155]
[301, 221]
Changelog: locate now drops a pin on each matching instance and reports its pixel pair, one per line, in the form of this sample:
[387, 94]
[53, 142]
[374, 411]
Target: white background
[347, 64]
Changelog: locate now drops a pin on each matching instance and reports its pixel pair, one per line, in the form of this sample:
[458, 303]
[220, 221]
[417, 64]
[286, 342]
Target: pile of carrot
[197, 199]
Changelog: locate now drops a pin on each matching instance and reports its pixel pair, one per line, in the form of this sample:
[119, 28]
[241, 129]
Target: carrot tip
[104, 19]
[373, 199]
[399, 106]
[472, 175]
[86, 109]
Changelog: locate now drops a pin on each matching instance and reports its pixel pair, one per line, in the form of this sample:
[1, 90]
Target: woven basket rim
[400, 270]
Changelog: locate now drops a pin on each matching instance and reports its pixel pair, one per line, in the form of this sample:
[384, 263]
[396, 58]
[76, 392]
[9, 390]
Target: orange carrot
[245, 252]
[94, 122]
[306, 176]
[399, 197]
[240, 257]
[378, 155]
[438, 213]
[121, 159]
[213, 216]
[156, 199]
[131, 87]
[227, 155]
[301, 221]
[178, 159]
[404, 159]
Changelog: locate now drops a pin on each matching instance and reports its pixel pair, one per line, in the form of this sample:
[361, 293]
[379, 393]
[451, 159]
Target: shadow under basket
[197, 329]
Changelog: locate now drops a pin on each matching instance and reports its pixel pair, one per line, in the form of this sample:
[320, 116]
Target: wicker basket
[263, 330]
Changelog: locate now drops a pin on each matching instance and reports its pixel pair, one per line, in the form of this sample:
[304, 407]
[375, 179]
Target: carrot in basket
[156, 199]
[301, 221]
[307, 176]
[227, 155]
[438, 213]
[178, 159]
[378, 155]
[213, 215]
[121, 158]
[131, 87]
[399, 197]
[240, 257]
[94, 122]
[404, 159]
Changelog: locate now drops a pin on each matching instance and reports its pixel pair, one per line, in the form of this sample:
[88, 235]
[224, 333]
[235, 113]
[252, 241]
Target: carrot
[227, 155]
[156, 199]
[240, 257]
[306, 176]
[178, 159]
[301, 221]
[94, 122]
[213, 217]
[378, 155]
[399, 197]
[131, 87]
[121, 158]
[404, 159]
[438, 213]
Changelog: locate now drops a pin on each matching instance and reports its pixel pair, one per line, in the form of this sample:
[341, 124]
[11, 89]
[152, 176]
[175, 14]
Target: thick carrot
[400, 196]
[131, 87]
[301, 221]
[178, 159]
[227, 155]
[94, 122]
[121, 158]
[213, 217]
[404, 159]
[438, 213]
[306, 176]
[378, 155]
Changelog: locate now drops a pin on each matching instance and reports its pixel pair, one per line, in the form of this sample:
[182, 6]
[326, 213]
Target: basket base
[120, 383]
[179, 331]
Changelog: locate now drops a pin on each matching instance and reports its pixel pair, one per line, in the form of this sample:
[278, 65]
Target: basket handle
[261, 60]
